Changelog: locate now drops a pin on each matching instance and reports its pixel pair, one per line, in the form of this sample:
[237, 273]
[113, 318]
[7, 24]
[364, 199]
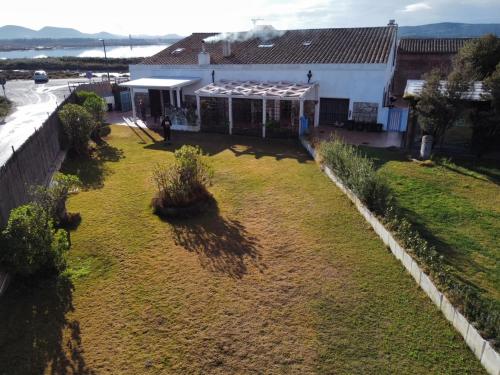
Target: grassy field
[284, 277]
[457, 207]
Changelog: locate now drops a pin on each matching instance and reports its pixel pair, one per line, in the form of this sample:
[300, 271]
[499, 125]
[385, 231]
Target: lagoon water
[112, 52]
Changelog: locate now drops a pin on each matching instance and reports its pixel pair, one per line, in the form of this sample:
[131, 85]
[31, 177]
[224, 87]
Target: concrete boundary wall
[481, 348]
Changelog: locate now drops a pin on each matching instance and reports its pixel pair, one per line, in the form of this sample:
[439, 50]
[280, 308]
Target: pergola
[261, 91]
[170, 84]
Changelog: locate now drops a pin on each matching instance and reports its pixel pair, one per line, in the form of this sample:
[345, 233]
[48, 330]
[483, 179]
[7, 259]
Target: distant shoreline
[7, 45]
[63, 67]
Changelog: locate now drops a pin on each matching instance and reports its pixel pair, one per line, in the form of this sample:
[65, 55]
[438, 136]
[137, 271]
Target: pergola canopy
[159, 83]
[257, 90]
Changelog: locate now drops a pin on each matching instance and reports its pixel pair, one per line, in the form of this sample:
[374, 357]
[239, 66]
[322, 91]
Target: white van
[41, 76]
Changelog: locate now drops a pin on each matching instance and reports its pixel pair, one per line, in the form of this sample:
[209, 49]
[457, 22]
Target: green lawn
[284, 277]
[457, 207]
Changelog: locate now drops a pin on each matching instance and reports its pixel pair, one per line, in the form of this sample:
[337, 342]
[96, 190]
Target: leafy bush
[53, 198]
[184, 182]
[357, 172]
[30, 244]
[78, 125]
[5, 106]
[96, 106]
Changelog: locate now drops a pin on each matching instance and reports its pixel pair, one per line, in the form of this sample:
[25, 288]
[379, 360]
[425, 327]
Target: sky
[156, 17]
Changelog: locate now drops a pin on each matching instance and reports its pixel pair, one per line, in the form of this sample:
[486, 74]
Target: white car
[41, 76]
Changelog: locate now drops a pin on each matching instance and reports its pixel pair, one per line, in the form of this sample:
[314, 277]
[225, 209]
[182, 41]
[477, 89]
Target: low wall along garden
[482, 349]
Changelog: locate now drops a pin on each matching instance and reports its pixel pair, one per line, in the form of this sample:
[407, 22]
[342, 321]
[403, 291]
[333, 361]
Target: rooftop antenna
[255, 20]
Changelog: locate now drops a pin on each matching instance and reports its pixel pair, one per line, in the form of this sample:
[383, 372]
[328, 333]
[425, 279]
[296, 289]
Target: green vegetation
[184, 182]
[5, 106]
[456, 206]
[30, 244]
[53, 198]
[357, 172]
[283, 276]
[78, 125]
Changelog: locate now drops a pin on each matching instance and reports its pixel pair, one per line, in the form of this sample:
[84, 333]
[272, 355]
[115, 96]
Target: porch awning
[257, 90]
[159, 83]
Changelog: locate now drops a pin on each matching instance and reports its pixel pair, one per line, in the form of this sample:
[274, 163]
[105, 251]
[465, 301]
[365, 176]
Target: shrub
[357, 172]
[184, 182]
[53, 198]
[96, 106]
[5, 106]
[30, 244]
[78, 125]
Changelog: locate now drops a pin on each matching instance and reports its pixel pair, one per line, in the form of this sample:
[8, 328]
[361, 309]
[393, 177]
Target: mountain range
[449, 30]
[50, 32]
[436, 30]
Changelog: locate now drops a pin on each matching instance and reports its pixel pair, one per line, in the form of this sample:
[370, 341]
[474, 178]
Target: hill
[449, 30]
[51, 32]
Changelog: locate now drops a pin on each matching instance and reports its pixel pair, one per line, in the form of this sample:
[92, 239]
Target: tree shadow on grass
[35, 334]
[223, 245]
[213, 144]
[92, 169]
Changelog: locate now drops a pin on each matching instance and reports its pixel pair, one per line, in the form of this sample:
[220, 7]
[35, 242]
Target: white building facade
[351, 78]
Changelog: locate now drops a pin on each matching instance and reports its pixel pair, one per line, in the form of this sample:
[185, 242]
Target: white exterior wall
[356, 82]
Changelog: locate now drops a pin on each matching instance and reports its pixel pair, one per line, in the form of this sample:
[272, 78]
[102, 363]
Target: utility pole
[105, 57]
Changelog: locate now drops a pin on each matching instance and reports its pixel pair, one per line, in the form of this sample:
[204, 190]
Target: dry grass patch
[284, 276]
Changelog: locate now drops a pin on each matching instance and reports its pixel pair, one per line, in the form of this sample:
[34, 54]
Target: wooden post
[230, 109]
[172, 97]
[264, 118]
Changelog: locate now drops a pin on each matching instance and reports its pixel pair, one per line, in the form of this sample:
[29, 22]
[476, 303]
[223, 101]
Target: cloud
[416, 7]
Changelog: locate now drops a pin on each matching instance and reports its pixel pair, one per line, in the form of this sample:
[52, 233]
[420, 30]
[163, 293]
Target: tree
[53, 198]
[478, 58]
[486, 135]
[437, 107]
[30, 244]
[78, 125]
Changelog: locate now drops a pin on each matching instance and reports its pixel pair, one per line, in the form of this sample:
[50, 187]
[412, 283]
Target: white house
[270, 82]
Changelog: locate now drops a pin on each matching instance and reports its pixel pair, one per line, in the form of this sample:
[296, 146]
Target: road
[33, 104]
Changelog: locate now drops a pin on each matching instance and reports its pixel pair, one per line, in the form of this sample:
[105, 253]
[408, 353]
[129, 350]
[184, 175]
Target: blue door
[398, 119]
[125, 101]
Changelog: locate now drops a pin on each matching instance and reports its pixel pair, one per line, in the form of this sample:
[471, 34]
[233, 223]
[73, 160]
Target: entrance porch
[163, 97]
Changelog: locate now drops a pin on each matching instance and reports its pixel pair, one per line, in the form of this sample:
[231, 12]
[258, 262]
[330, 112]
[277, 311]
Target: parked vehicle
[41, 76]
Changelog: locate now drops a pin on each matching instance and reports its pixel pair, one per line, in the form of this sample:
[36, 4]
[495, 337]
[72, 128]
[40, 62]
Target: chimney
[392, 23]
[226, 48]
[203, 56]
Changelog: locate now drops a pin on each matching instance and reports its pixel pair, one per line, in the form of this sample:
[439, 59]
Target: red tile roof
[370, 45]
[438, 45]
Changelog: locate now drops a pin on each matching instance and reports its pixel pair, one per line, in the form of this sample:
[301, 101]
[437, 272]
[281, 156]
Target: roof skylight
[177, 51]
[266, 45]
[306, 43]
